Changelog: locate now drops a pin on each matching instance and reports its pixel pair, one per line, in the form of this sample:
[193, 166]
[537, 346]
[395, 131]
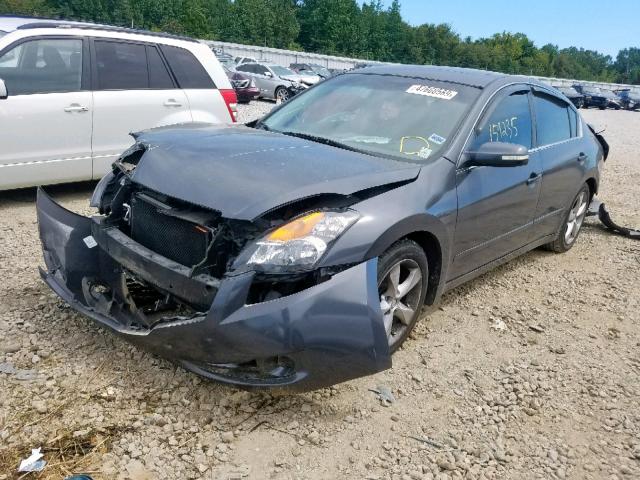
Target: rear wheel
[572, 223]
[403, 274]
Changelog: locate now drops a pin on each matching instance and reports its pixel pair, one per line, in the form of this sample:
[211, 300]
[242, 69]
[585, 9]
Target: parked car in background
[241, 60]
[613, 100]
[227, 62]
[71, 93]
[224, 58]
[593, 96]
[244, 86]
[629, 99]
[311, 69]
[297, 251]
[572, 94]
[274, 81]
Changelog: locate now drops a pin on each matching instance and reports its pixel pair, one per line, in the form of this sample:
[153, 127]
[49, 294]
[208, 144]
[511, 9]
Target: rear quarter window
[188, 71]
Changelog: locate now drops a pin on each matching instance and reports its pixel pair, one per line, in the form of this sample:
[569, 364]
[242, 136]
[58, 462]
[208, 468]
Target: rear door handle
[533, 178]
[172, 103]
[75, 107]
[582, 157]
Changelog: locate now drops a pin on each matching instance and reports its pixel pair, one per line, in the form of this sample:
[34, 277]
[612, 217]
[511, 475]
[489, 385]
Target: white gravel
[254, 110]
[559, 400]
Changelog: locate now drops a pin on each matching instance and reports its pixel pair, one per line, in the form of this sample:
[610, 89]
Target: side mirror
[498, 154]
[268, 74]
[3, 90]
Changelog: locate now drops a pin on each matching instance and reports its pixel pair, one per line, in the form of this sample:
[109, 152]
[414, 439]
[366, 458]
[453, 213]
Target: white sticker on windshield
[437, 139]
[89, 241]
[432, 91]
[424, 152]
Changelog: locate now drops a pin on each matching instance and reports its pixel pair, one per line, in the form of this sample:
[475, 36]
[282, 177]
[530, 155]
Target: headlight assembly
[299, 244]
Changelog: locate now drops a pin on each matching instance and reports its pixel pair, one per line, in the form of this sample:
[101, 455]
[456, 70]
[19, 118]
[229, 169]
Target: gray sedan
[297, 251]
[276, 82]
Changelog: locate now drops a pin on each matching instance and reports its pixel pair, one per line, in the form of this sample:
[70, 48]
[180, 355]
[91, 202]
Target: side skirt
[495, 263]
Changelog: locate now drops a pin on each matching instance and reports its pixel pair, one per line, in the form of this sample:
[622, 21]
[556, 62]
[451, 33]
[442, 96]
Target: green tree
[342, 27]
[329, 26]
[26, 7]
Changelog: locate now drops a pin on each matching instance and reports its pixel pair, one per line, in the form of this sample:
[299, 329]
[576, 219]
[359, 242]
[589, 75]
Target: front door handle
[172, 103]
[533, 178]
[76, 107]
[582, 157]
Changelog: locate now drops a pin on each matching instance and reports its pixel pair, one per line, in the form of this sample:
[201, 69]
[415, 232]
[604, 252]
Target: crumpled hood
[306, 79]
[243, 172]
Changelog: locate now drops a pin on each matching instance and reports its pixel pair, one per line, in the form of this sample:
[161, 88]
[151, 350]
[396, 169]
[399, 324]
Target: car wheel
[282, 95]
[403, 274]
[572, 222]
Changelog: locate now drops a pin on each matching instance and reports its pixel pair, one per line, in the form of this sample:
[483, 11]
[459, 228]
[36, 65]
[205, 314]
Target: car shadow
[28, 195]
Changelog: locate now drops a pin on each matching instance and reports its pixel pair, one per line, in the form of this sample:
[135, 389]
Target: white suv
[70, 94]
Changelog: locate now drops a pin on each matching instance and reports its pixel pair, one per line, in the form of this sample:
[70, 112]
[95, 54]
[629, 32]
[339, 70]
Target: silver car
[276, 82]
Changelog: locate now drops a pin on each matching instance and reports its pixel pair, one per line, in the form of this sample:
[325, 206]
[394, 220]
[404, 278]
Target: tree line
[342, 27]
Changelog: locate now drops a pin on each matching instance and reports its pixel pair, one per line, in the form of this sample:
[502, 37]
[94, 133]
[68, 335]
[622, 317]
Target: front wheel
[403, 275]
[572, 222]
[282, 95]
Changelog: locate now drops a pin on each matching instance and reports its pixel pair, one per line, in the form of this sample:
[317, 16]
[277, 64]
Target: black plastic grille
[171, 237]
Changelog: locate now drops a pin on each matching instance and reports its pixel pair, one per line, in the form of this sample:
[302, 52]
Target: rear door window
[187, 69]
[509, 122]
[43, 66]
[552, 119]
[159, 76]
[245, 68]
[121, 66]
[260, 69]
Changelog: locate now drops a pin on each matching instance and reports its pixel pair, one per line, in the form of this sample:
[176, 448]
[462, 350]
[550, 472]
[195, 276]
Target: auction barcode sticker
[432, 91]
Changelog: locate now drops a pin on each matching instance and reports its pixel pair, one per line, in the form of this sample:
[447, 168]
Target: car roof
[9, 23]
[12, 23]
[464, 76]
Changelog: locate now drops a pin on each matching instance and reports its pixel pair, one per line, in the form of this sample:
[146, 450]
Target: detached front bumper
[326, 334]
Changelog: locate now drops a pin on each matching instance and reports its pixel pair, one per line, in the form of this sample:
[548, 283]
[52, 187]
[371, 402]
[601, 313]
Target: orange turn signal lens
[299, 228]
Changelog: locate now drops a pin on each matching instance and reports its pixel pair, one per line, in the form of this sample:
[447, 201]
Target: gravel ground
[530, 371]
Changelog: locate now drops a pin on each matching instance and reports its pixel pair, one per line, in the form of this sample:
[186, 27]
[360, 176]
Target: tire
[573, 219]
[281, 94]
[400, 305]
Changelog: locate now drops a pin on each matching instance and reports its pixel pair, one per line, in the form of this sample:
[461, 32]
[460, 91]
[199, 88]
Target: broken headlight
[300, 243]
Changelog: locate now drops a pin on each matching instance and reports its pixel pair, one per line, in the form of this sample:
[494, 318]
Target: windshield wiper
[326, 141]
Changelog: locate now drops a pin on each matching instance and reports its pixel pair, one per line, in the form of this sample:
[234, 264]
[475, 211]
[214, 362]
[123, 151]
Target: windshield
[281, 71]
[405, 118]
[594, 90]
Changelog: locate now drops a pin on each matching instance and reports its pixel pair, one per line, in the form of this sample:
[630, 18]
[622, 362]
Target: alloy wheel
[282, 95]
[400, 291]
[576, 217]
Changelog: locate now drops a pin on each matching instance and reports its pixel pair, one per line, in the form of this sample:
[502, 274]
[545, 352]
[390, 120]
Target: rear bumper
[326, 334]
[246, 94]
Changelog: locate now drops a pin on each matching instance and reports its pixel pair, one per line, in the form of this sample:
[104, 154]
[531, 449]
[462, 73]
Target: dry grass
[65, 453]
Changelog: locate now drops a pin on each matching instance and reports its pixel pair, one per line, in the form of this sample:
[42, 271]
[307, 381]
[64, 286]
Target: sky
[606, 26]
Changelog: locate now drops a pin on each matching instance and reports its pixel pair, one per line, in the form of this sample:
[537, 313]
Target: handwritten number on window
[503, 130]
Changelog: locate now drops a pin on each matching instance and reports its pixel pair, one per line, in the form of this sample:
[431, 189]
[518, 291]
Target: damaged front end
[170, 276]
